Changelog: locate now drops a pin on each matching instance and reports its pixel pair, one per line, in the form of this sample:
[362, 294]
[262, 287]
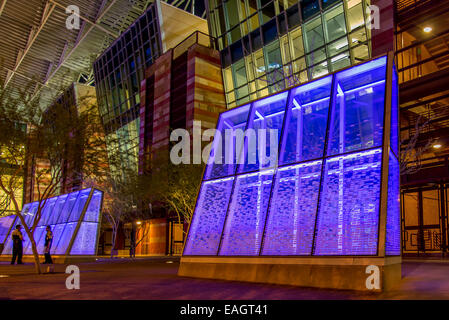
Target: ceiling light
[437, 146]
[427, 29]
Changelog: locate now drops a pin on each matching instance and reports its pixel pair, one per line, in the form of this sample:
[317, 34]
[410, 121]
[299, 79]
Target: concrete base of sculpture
[350, 273]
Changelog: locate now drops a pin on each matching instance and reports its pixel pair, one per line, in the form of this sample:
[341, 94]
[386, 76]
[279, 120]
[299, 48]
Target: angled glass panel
[228, 142]
[7, 249]
[243, 231]
[349, 206]
[93, 210]
[39, 237]
[264, 132]
[306, 121]
[64, 240]
[358, 108]
[393, 232]
[68, 206]
[47, 211]
[394, 133]
[54, 214]
[210, 212]
[5, 225]
[86, 239]
[30, 214]
[79, 205]
[291, 217]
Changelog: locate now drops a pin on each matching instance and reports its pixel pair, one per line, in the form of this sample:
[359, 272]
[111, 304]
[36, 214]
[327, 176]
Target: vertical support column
[382, 234]
[442, 219]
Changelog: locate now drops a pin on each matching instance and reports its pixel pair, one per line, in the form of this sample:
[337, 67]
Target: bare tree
[37, 144]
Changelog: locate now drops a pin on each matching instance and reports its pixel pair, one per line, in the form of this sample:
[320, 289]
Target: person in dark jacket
[47, 245]
[17, 247]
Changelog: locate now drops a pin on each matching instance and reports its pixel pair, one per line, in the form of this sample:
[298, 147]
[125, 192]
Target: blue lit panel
[207, 224]
[393, 237]
[291, 218]
[358, 111]
[321, 195]
[227, 145]
[5, 225]
[394, 135]
[86, 239]
[243, 231]
[306, 121]
[63, 213]
[265, 127]
[349, 206]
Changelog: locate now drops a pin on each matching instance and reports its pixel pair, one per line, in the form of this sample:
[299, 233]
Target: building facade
[120, 69]
[269, 45]
[422, 53]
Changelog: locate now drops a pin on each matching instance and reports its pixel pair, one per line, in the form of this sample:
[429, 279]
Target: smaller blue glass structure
[74, 219]
[326, 192]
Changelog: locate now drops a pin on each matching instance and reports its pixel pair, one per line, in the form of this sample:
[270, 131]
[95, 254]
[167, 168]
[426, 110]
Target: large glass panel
[93, 210]
[54, 214]
[70, 202]
[227, 143]
[60, 245]
[393, 238]
[306, 121]
[79, 205]
[394, 133]
[348, 215]
[296, 43]
[291, 217]
[240, 78]
[358, 108]
[309, 8]
[246, 217]
[314, 36]
[5, 225]
[335, 24]
[86, 239]
[47, 211]
[210, 212]
[264, 131]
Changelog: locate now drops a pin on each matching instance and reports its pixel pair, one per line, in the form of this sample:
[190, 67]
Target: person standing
[47, 245]
[17, 247]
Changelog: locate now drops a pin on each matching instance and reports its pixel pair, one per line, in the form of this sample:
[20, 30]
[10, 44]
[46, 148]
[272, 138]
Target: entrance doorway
[424, 220]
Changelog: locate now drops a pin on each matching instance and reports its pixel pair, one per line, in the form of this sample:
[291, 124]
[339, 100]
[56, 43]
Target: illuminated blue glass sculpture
[74, 219]
[333, 187]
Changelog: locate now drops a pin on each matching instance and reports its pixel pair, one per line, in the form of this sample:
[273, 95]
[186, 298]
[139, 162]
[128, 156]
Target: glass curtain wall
[269, 45]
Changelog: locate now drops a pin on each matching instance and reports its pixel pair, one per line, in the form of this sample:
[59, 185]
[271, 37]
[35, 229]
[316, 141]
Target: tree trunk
[37, 264]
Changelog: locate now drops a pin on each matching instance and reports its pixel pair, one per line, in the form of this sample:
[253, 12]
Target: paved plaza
[156, 278]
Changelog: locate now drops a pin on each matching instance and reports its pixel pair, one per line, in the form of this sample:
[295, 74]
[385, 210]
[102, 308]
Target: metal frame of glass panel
[334, 190]
[68, 215]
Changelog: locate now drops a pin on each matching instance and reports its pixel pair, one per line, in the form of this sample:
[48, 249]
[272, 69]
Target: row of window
[331, 41]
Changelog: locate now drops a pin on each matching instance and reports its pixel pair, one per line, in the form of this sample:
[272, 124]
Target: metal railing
[402, 5]
[196, 37]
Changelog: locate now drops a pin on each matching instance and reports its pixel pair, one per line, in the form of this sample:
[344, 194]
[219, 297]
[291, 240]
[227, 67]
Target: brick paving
[154, 278]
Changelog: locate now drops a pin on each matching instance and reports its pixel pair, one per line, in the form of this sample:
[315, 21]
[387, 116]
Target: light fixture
[437, 146]
[139, 222]
[428, 29]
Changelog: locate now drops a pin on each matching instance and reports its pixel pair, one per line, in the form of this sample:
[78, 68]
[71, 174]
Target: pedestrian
[17, 247]
[47, 246]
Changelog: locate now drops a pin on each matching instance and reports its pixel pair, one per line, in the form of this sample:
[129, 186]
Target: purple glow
[62, 213]
[393, 238]
[314, 201]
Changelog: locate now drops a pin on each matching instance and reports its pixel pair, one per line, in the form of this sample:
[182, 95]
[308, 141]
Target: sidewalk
[156, 278]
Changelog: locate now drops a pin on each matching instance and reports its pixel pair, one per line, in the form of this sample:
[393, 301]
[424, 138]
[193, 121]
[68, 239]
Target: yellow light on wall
[428, 29]
[437, 146]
